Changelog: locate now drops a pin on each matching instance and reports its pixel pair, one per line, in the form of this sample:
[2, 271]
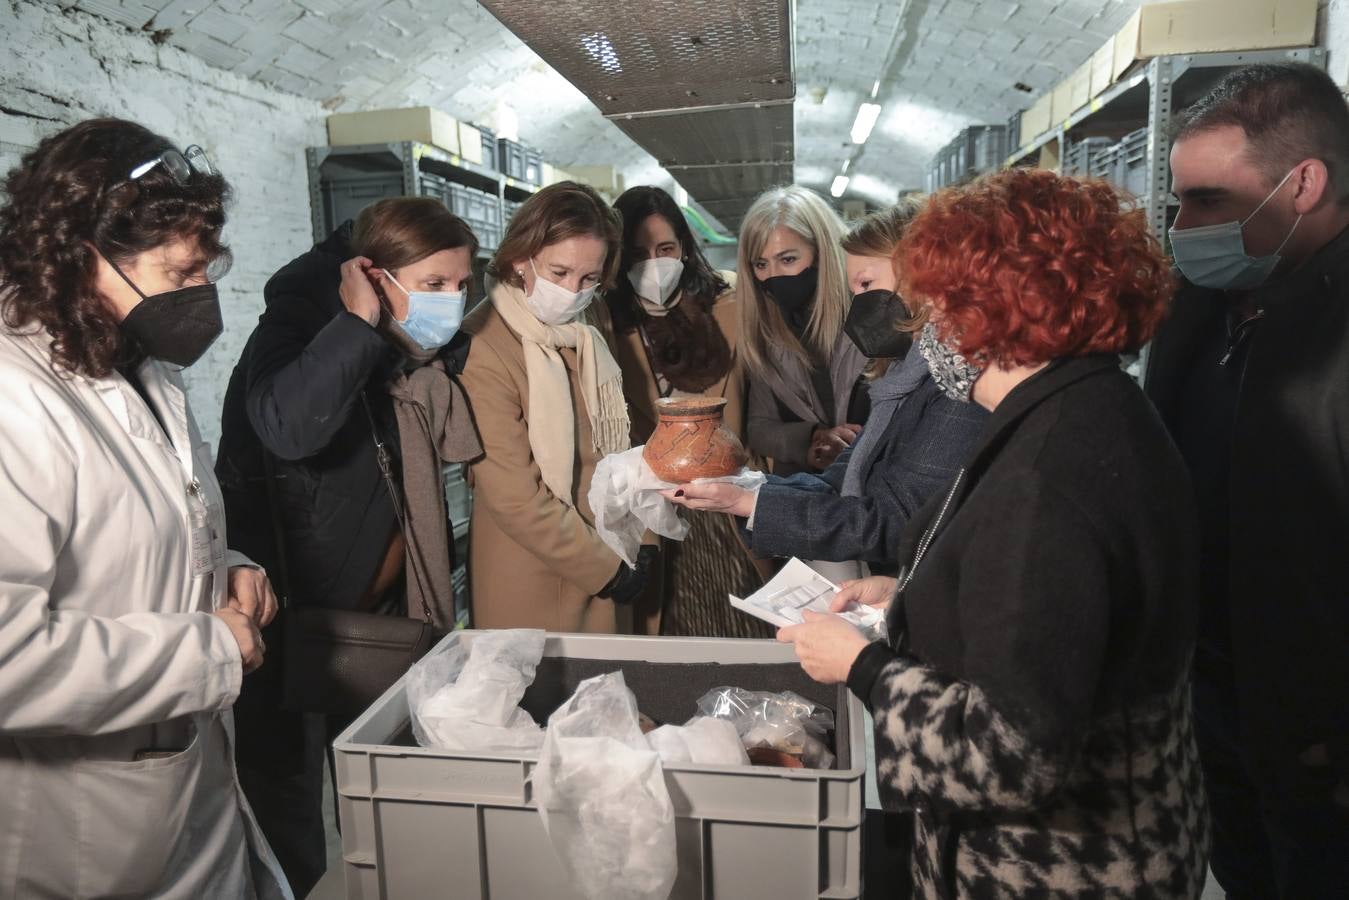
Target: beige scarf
[552, 416]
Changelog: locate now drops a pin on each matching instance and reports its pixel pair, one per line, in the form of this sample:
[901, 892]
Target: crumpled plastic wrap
[786, 722]
[625, 498]
[601, 793]
[465, 694]
[702, 740]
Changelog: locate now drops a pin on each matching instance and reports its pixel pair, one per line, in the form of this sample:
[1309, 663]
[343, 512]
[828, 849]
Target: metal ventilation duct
[705, 87]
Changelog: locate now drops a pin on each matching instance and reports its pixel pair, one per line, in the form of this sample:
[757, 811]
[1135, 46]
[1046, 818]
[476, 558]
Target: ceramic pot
[690, 442]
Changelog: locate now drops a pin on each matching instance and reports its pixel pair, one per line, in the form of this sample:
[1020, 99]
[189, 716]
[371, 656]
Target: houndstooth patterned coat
[1035, 712]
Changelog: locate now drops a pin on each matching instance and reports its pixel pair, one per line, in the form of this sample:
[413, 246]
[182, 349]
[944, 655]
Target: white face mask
[552, 304]
[1214, 256]
[656, 280]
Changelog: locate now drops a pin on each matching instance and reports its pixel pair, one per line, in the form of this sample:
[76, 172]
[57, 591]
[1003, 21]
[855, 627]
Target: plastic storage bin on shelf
[482, 212]
[415, 820]
[489, 148]
[1105, 163]
[533, 167]
[1082, 155]
[512, 158]
[1133, 163]
[344, 198]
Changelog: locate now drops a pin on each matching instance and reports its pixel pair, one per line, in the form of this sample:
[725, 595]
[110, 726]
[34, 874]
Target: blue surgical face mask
[433, 317]
[1214, 256]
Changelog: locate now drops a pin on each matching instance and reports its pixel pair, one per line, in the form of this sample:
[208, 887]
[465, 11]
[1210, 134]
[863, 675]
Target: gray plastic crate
[988, 147]
[419, 823]
[1134, 162]
[533, 167]
[512, 158]
[1106, 164]
[489, 148]
[1082, 154]
[344, 198]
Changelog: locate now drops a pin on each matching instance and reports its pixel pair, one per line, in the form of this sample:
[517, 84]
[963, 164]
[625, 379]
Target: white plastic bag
[786, 722]
[703, 740]
[465, 694]
[625, 497]
[602, 796]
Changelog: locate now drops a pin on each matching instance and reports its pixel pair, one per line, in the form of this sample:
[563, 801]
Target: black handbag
[338, 661]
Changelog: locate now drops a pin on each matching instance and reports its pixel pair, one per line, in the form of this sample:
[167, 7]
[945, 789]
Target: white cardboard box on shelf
[377, 126]
[1213, 26]
[1036, 120]
[470, 143]
[1081, 87]
[1062, 103]
[413, 817]
[1103, 68]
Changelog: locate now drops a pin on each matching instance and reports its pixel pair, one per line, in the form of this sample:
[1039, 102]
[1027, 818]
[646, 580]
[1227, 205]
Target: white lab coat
[108, 647]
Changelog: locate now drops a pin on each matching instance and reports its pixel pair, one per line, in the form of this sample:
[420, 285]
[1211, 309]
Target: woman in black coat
[359, 337]
[1032, 706]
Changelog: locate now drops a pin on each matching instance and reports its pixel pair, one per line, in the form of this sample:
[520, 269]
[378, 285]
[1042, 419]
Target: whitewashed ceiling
[942, 64]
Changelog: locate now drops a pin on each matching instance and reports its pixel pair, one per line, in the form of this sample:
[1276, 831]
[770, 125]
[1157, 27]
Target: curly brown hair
[69, 199]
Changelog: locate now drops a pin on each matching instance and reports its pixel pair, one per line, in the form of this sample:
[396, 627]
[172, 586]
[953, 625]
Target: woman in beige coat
[547, 397]
[676, 330]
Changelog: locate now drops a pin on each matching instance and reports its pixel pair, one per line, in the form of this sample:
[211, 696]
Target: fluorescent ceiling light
[839, 186]
[867, 114]
[602, 51]
[875, 89]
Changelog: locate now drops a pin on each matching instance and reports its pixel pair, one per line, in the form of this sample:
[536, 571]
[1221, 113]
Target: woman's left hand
[826, 645]
[716, 496]
[250, 592]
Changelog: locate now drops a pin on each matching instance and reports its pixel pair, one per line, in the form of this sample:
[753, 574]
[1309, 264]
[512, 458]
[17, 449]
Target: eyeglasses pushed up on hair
[179, 165]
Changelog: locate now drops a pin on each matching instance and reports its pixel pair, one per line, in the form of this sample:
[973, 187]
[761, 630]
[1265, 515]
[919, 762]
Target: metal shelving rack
[1148, 99]
[410, 159]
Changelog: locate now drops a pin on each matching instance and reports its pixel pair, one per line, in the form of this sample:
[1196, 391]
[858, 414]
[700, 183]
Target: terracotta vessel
[767, 756]
[690, 442]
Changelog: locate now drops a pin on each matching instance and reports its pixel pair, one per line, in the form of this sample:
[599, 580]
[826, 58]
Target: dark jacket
[1036, 711]
[296, 391]
[804, 515]
[1288, 595]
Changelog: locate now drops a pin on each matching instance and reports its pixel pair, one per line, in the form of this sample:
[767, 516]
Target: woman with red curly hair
[1033, 705]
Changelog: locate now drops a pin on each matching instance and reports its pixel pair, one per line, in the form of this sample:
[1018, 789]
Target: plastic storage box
[488, 139]
[345, 197]
[512, 158]
[420, 823]
[1083, 153]
[1133, 165]
[533, 167]
[482, 212]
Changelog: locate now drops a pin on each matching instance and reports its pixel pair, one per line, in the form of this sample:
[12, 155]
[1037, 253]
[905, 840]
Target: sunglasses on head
[179, 165]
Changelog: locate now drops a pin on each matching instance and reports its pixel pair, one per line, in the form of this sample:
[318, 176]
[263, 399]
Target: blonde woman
[806, 402]
[547, 396]
[915, 440]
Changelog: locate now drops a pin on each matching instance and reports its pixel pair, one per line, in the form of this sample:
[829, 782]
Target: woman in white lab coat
[125, 625]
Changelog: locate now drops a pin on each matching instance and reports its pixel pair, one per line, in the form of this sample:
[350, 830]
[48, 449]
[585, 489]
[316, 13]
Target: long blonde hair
[761, 323]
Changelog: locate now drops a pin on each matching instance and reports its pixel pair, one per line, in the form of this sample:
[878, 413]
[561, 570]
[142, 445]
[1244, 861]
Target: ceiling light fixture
[846, 163]
[839, 186]
[867, 114]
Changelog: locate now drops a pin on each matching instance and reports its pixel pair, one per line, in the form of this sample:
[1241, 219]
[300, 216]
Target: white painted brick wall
[1335, 38]
[65, 66]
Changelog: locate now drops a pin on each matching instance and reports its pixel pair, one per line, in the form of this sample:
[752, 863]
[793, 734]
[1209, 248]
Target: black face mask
[871, 325]
[792, 293]
[175, 326]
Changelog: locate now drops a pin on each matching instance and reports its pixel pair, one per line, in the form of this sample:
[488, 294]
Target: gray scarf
[887, 393]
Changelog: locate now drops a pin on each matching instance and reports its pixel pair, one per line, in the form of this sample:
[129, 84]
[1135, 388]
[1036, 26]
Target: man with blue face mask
[1251, 375]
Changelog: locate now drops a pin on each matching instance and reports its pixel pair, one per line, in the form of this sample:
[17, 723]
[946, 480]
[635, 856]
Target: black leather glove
[629, 581]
